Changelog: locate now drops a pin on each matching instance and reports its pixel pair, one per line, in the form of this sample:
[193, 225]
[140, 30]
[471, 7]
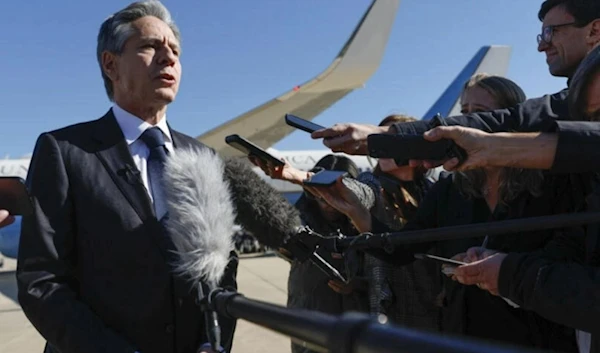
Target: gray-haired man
[94, 270]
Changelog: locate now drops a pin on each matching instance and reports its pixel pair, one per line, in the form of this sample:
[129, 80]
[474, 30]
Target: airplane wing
[491, 59]
[353, 66]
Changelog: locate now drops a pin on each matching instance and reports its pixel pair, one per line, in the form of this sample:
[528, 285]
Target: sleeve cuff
[509, 274]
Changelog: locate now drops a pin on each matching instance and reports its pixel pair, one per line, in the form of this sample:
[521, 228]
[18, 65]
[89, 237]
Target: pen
[485, 242]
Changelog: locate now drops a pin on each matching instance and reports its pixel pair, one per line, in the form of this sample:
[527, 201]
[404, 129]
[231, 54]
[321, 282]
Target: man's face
[148, 71]
[568, 45]
[592, 109]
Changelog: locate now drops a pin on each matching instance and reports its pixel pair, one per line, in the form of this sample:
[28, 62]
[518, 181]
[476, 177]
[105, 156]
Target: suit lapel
[180, 140]
[116, 158]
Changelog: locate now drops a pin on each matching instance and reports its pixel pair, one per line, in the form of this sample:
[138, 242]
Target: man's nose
[543, 46]
[167, 56]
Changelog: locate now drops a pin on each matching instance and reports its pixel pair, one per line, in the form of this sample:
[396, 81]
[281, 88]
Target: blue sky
[238, 54]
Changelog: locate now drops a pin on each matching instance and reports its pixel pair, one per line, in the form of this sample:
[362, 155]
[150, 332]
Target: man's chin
[558, 70]
[166, 96]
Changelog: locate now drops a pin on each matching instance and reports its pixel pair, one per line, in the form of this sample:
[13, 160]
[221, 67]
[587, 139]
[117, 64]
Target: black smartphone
[324, 178]
[402, 148]
[439, 259]
[455, 150]
[14, 196]
[250, 149]
[302, 124]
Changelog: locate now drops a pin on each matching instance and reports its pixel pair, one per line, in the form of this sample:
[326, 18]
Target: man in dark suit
[94, 272]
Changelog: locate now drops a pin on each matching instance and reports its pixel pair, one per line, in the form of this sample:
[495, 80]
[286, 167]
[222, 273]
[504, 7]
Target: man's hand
[349, 138]
[483, 273]
[478, 253]
[473, 141]
[5, 218]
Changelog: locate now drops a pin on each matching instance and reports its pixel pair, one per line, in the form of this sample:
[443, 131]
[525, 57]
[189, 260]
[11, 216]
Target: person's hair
[338, 163]
[584, 11]
[513, 181]
[506, 93]
[578, 87]
[117, 29]
[417, 189]
[397, 118]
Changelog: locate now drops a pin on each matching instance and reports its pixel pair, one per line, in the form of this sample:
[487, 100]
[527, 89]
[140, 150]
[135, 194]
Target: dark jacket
[406, 295]
[308, 286]
[564, 293]
[94, 268]
[446, 206]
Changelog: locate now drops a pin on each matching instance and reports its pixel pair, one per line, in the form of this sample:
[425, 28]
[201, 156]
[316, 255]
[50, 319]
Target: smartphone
[302, 124]
[442, 260]
[250, 149]
[14, 196]
[455, 150]
[324, 178]
[402, 148]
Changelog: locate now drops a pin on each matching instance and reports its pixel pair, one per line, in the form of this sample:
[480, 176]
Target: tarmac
[262, 277]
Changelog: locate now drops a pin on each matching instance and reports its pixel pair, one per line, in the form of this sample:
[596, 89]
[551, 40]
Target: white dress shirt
[132, 128]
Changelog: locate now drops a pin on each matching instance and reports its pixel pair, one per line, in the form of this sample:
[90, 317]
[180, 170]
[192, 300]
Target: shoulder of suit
[190, 140]
[78, 131]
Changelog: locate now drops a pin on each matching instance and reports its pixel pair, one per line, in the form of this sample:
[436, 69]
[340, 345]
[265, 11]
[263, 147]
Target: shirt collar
[133, 127]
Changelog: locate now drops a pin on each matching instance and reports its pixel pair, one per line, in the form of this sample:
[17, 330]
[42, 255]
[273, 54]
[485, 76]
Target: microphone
[260, 208]
[274, 222]
[201, 220]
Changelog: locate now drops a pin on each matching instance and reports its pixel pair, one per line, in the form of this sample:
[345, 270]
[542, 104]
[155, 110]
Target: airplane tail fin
[491, 59]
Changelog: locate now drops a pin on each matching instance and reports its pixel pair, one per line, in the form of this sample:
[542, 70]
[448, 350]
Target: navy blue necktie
[155, 140]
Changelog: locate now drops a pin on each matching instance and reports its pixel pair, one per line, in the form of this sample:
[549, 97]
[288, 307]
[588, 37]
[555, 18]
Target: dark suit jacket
[93, 271]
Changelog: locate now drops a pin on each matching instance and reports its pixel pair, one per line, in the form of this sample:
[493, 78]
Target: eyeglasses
[546, 35]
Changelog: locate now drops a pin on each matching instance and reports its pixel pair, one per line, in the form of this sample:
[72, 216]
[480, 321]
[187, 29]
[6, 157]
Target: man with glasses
[570, 28]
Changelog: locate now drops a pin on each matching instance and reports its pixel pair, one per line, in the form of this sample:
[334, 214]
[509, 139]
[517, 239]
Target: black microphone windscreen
[260, 209]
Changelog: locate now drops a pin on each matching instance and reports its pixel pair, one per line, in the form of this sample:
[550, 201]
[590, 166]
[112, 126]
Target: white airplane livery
[265, 126]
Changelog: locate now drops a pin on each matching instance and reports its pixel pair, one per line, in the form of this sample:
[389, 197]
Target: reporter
[565, 293]
[406, 295]
[308, 287]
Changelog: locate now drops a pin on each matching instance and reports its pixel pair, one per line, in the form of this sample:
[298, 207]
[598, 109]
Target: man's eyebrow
[173, 43]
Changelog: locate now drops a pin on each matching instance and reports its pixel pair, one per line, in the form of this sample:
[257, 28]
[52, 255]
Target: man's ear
[593, 37]
[110, 65]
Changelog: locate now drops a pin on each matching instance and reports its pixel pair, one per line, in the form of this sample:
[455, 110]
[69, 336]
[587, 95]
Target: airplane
[265, 126]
